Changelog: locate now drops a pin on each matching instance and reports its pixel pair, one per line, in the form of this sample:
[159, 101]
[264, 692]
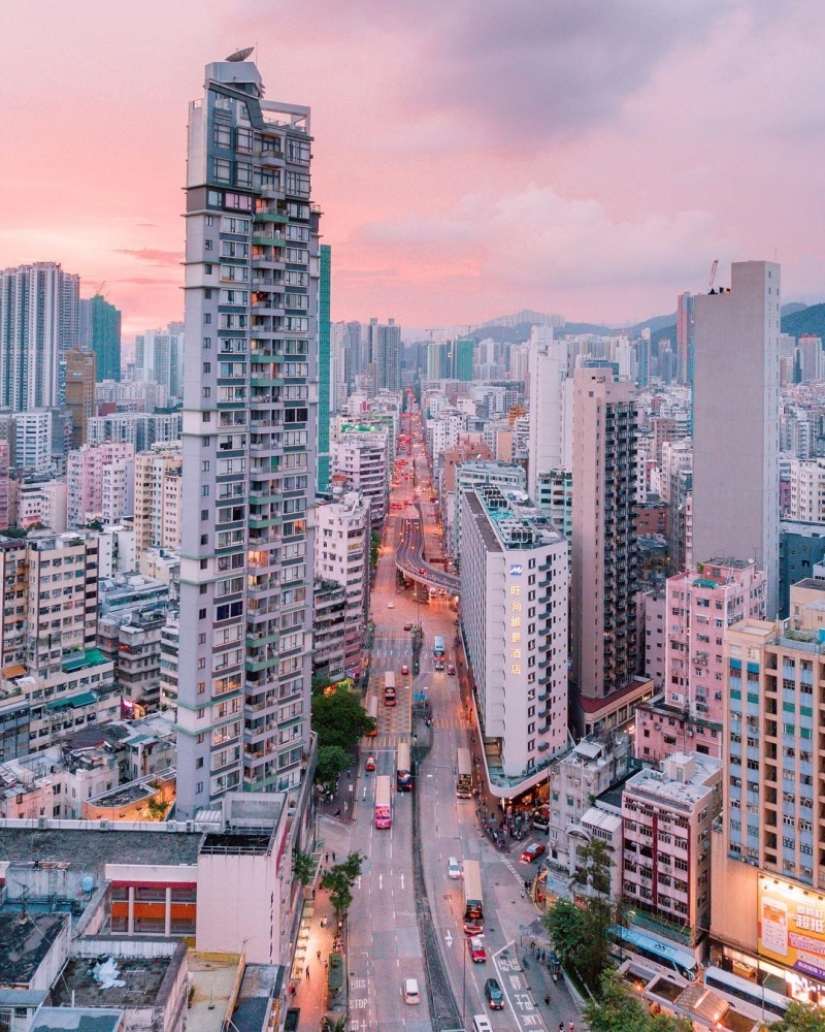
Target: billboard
[791, 925]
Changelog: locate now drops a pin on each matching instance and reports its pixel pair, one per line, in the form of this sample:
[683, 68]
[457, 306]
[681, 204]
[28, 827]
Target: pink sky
[472, 157]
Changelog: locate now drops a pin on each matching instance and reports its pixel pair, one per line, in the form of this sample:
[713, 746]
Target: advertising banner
[792, 926]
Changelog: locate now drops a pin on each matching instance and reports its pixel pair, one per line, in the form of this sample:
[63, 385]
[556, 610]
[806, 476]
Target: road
[384, 941]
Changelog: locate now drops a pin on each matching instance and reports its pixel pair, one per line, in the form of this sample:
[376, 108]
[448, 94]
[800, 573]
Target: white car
[453, 868]
[391, 605]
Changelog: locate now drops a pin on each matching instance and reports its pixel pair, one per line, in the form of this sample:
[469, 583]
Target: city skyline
[508, 177]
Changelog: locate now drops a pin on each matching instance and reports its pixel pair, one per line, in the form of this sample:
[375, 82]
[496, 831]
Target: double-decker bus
[403, 769]
[473, 900]
[660, 955]
[389, 688]
[383, 801]
[464, 775]
[438, 647]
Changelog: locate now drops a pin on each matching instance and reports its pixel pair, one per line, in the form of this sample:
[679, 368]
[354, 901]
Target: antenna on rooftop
[240, 55]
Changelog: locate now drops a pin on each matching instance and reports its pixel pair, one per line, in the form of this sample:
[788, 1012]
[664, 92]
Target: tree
[579, 930]
[800, 1017]
[340, 1024]
[303, 866]
[319, 683]
[332, 759]
[339, 719]
[618, 1010]
[375, 547]
[338, 881]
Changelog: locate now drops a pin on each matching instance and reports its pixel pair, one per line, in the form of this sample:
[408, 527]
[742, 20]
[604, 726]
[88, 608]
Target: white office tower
[249, 431]
[736, 421]
[551, 408]
[514, 611]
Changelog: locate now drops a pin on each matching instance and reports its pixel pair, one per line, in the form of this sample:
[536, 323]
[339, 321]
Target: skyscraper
[551, 408]
[736, 422]
[249, 442]
[102, 321]
[324, 359]
[38, 324]
[384, 345]
[463, 360]
[604, 547]
[80, 392]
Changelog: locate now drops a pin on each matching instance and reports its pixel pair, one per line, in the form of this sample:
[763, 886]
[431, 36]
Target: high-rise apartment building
[384, 344]
[33, 440]
[700, 605]
[807, 502]
[514, 613]
[100, 482]
[684, 338]
[604, 557]
[159, 359]
[38, 324]
[324, 366]
[158, 497]
[101, 325]
[360, 460]
[463, 356]
[249, 439]
[736, 421]
[80, 393]
[342, 555]
[551, 408]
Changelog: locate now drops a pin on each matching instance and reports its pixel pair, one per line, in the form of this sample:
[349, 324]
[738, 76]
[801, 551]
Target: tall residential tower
[736, 422]
[249, 442]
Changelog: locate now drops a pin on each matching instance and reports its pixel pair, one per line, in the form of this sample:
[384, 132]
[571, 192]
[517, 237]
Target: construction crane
[712, 279]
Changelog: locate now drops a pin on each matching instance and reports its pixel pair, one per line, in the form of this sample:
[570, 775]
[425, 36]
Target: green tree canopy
[339, 719]
[801, 1017]
[332, 759]
[303, 866]
[338, 881]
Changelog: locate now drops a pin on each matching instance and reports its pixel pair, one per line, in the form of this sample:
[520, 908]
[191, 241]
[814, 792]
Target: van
[481, 1023]
[411, 993]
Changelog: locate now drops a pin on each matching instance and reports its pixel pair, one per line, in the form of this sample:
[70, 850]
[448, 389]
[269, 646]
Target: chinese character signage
[792, 925]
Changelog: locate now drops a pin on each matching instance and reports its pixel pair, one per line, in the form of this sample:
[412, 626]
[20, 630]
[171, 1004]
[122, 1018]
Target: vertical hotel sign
[792, 925]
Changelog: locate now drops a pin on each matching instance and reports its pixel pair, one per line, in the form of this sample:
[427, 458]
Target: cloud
[532, 71]
[157, 257]
[537, 239]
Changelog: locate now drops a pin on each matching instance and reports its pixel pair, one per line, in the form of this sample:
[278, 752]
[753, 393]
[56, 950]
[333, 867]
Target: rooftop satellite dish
[240, 55]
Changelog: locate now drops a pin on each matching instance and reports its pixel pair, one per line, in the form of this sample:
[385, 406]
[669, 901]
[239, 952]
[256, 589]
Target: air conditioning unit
[103, 826]
[657, 727]
[42, 823]
[689, 732]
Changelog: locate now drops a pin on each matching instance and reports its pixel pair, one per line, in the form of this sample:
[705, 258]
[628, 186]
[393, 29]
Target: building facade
[249, 439]
[736, 487]
[514, 616]
[604, 557]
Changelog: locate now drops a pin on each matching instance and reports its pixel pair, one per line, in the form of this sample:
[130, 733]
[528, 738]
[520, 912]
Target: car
[370, 764]
[391, 605]
[453, 868]
[408, 626]
[404, 668]
[478, 954]
[532, 852]
[473, 928]
[451, 670]
[422, 570]
[411, 992]
[495, 997]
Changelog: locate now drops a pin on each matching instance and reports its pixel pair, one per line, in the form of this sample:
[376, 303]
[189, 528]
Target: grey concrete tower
[736, 421]
[250, 401]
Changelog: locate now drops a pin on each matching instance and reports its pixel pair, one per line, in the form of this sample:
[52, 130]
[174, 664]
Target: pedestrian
[326, 858]
[547, 999]
[572, 1027]
[337, 814]
[333, 857]
[318, 954]
[306, 972]
[522, 893]
[313, 893]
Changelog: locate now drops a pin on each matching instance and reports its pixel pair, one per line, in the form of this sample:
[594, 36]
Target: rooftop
[89, 850]
[212, 979]
[77, 1019]
[25, 939]
[668, 789]
[143, 977]
[261, 984]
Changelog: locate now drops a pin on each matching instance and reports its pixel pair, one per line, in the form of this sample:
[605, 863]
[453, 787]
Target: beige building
[158, 497]
[769, 847]
[603, 583]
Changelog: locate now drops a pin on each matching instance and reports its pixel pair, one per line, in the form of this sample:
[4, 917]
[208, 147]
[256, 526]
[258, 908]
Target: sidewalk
[318, 932]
